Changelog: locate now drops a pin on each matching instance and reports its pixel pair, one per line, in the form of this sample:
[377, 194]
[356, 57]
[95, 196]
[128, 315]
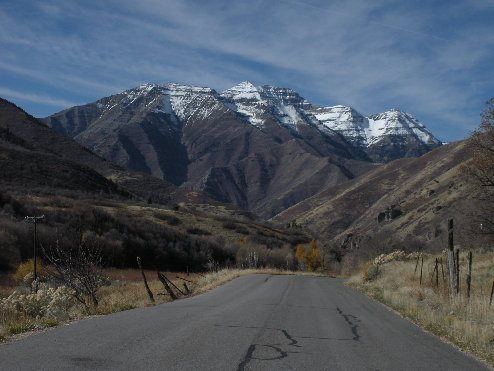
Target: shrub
[170, 219]
[26, 271]
[386, 258]
[241, 229]
[229, 225]
[371, 273]
[198, 231]
[47, 303]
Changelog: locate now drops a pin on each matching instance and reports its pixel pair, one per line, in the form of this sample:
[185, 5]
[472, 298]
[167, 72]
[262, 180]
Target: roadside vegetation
[87, 247]
[24, 310]
[421, 293]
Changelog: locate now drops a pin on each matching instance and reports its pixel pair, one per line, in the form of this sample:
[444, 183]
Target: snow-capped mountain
[261, 147]
[291, 110]
[395, 122]
[255, 102]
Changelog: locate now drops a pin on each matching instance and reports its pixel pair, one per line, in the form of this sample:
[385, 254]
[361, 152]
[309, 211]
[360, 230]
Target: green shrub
[19, 328]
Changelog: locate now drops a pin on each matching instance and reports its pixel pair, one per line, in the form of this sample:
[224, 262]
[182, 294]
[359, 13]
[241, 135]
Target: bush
[198, 231]
[229, 225]
[26, 269]
[46, 303]
[371, 273]
[170, 219]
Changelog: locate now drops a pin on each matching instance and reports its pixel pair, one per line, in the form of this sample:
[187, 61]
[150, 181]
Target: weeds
[466, 322]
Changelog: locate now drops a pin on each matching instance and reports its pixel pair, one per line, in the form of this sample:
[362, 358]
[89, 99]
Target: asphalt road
[256, 322]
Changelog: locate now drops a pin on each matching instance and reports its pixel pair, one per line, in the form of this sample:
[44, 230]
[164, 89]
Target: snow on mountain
[395, 122]
[130, 96]
[344, 120]
[257, 104]
[245, 99]
[291, 110]
[187, 101]
[369, 130]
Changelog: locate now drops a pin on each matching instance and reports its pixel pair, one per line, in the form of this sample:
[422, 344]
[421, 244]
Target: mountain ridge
[224, 142]
[406, 198]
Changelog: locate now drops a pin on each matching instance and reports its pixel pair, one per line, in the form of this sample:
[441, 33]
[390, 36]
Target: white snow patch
[395, 122]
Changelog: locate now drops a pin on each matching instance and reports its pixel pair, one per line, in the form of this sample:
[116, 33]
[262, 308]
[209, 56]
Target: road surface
[255, 322]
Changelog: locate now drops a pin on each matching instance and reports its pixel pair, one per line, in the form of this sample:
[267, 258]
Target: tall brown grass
[466, 322]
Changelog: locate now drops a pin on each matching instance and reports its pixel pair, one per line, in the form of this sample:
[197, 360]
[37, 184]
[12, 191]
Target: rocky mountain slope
[262, 148]
[86, 197]
[34, 156]
[407, 198]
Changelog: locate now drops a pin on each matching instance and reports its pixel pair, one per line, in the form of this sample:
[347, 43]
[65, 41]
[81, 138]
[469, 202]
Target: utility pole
[34, 220]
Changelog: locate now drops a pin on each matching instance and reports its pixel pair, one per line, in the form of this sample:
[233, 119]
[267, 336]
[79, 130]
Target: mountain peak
[246, 84]
[243, 91]
[176, 87]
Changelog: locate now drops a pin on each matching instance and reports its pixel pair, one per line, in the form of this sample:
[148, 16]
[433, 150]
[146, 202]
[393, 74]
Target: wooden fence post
[416, 265]
[469, 272]
[421, 266]
[492, 292]
[167, 287]
[437, 272]
[442, 270]
[457, 260]
[451, 259]
[150, 294]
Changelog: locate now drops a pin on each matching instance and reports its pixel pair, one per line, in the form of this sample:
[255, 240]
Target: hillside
[42, 147]
[407, 199]
[124, 214]
[261, 148]
[34, 156]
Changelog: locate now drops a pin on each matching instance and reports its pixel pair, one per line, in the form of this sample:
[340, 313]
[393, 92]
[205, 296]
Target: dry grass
[466, 322]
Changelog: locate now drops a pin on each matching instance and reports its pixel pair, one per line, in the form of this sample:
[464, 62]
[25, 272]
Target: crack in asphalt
[349, 318]
[250, 352]
[289, 337]
[249, 356]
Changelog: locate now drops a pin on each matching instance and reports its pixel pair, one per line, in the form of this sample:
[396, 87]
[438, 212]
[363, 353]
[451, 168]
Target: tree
[78, 267]
[310, 259]
[481, 168]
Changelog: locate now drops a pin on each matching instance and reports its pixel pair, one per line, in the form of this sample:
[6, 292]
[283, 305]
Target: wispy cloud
[430, 59]
[36, 98]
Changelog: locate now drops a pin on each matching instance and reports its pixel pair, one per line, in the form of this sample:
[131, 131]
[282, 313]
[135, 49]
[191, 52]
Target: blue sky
[433, 59]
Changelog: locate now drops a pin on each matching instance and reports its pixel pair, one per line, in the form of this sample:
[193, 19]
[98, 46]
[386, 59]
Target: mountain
[407, 198]
[35, 156]
[262, 148]
[125, 214]
[384, 137]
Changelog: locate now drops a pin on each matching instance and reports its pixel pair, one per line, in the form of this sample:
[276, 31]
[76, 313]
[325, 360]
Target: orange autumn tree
[309, 258]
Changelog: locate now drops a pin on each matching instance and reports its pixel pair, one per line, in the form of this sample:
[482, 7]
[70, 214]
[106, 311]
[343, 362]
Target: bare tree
[481, 168]
[483, 148]
[79, 268]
